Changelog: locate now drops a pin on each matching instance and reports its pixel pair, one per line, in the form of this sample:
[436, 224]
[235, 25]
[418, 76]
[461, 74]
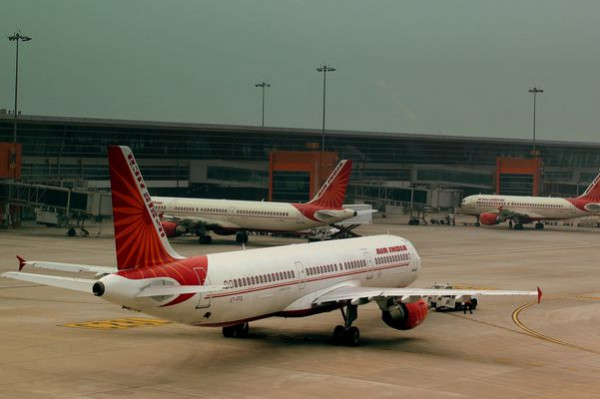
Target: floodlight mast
[324, 69]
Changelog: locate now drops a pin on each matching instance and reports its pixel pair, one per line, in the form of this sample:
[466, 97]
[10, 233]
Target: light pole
[535, 92]
[324, 69]
[263, 85]
[17, 37]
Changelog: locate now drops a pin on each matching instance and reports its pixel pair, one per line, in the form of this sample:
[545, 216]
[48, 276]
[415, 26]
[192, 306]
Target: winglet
[22, 262]
[539, 295]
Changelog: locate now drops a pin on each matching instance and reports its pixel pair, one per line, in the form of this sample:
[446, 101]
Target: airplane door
[231, 212]
[370, 264]
[205, 297]
[301, 275]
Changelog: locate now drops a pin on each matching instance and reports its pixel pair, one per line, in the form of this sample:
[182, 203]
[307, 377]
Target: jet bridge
[52, 204]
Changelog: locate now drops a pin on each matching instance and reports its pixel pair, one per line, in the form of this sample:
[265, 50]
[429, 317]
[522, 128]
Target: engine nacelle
[405, 316]
[489, 219]
[172, 229]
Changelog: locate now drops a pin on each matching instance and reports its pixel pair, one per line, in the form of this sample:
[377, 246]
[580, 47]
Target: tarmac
[63, 344]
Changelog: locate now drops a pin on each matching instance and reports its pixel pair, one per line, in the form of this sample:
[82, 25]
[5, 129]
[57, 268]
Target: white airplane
[519, 210]
[224, 217]
[230, 289]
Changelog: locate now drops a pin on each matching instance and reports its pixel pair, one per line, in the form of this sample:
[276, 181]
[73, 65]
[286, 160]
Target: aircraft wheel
[236, 331]
[204, 239]
[241, 238]
[241, 330]
[473, 303]
[229, 332]
[518, 226]
[477, 224]
[338, 334]
[539, 226]
[352, 336]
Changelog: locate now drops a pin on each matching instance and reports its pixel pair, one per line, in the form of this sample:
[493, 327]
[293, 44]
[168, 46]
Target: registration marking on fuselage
[119, 324]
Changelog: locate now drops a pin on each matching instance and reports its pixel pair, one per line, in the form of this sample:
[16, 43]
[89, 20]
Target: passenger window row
[312, 271]
[260, 279]
[261, 213]
[355, 264]
[381, 260]
[334, 267]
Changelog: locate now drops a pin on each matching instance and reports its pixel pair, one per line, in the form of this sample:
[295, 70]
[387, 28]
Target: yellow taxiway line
[539, 335]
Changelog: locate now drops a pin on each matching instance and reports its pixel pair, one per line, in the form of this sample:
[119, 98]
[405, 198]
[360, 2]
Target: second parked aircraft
[224, 217]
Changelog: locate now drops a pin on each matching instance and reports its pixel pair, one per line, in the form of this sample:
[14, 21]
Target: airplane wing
[360, 295]
[194, 222]
[76, 284]
[505, 214]
[65, 267]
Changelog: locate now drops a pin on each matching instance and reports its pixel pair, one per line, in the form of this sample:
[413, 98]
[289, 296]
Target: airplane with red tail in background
[230, 289]
[225, 217]
[518, 210]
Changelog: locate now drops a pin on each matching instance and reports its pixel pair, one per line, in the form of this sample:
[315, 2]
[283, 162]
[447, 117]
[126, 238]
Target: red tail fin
[139, 236]
[333, 192]
[592, 193]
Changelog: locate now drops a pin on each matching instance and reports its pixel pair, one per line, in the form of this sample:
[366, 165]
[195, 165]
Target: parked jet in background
[225, 217]
[230, 289]
[494, 209]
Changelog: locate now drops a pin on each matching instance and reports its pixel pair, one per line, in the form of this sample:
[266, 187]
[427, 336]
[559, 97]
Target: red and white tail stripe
[333, 192]
[139, 236]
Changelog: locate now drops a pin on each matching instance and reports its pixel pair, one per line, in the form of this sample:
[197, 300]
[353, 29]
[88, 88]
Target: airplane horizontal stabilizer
[66, 267]
[160, 290]
[76, 284]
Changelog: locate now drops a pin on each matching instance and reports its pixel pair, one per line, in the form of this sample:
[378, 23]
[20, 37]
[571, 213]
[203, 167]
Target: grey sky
[458, 67]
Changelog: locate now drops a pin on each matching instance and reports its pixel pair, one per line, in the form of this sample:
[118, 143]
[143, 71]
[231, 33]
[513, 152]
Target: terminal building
[248, 162]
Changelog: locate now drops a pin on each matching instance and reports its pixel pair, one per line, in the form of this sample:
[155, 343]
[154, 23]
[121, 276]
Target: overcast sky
[456, 67]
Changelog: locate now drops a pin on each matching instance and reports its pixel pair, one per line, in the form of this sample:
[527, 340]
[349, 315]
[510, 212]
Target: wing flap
[70, 283]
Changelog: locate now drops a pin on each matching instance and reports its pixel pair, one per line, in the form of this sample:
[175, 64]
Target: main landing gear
[539, 226]
[347, 334]
[241, 237]
[236, 331]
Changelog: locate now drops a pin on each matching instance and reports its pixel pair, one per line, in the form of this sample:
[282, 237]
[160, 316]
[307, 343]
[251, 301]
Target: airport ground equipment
[449, 302]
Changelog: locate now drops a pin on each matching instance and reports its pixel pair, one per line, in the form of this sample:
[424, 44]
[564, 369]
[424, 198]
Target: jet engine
[489, 219]
[404, 316]
[172, 229]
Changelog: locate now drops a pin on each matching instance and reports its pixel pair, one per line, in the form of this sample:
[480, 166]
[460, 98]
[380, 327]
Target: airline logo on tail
[590, 199]
[333, 192]
[592, 193]
[139, 236]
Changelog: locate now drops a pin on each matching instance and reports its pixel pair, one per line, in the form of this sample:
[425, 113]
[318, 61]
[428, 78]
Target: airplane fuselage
[278, 281]
[539, 208]
[232, 216]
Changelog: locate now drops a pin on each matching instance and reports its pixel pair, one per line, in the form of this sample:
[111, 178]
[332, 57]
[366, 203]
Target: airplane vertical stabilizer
[592, 193]
[333, 192]
[139, 236]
